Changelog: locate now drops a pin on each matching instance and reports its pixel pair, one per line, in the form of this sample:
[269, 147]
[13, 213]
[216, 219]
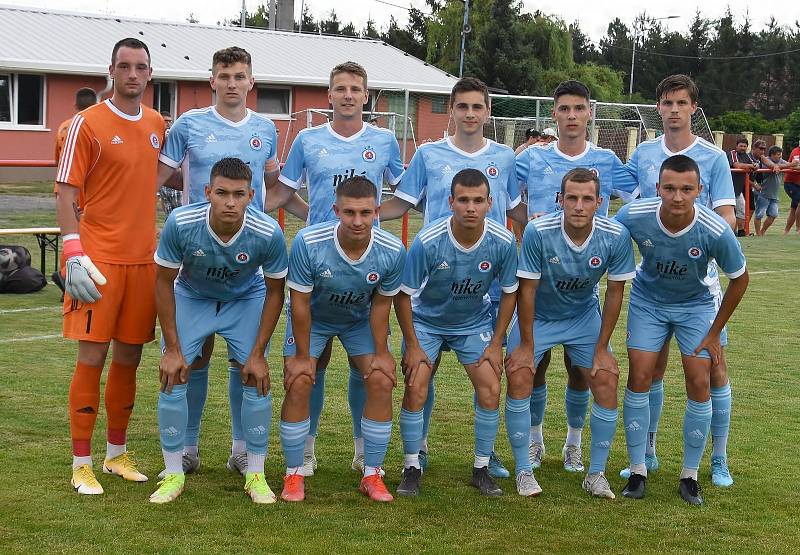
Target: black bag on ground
[16, 273]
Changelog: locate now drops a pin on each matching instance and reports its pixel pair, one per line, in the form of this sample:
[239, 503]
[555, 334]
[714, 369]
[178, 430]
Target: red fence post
[747, 203]
[404, 232]
[282, 219]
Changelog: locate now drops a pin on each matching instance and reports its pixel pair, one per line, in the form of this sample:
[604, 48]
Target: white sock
[255, 462]
[114, 450]
[480, 462]
[293, 470]
[370, 470]
[238, 446]
[424, 444]
[310, 443]
[536, 434]
[358, 445]
[719, 446]
[651, 443]
[411, 459]
[78, 462]
[574, 436]
[191, 450]
[640, 469]
[689, 473]
[173, 462]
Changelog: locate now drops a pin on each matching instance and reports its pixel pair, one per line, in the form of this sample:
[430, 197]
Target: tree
[332, 25]
[583, 49]
[307, 22]
[370, 31]
[258, 19]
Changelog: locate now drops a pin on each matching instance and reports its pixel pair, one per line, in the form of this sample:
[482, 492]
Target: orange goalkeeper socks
[119, 397]
[84, 401]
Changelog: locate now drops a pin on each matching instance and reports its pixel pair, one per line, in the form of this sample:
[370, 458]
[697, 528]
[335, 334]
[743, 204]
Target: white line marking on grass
[34, 309]
[786, 271]
[32, 338]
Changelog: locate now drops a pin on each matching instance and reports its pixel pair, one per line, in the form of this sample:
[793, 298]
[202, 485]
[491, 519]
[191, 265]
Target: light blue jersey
[216, 270]
[674, 267]
[568, 273]
[321, 158]
[715, 173]
[200, 138]
[541, 169]
[431, 170]
[448, 283]
[341, 289]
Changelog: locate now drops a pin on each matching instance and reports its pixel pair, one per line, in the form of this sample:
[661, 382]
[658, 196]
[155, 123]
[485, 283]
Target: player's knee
[698, 384]
[719, 373]
[575, 379]
[520, 384]
[604, 386]
[300, 389]
[415, 396]
[639, 381]
[378, 382]
[489, 396]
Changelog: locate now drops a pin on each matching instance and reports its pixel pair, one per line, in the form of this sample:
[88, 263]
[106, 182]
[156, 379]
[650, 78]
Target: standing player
[542, 170]
[444, 303]
[198, 139]
[430, 175]
[672, 293]
[677, 102]
[323, 157]
[564, 255]
[342, 276]
[110, 159]
[220, 248]
[170, 193]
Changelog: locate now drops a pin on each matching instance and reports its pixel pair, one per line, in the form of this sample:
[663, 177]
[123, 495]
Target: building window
[164, 97]
[397, 107]
[22, 99]
[439, 104]
[274, 101]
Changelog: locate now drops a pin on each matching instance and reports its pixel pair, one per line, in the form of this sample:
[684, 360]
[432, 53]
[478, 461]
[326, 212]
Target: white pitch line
[786, 271]
[32, 338]
[34, 309]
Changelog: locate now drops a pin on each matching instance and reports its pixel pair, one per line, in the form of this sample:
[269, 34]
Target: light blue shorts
[468, 348]
[356, 337]
[578, 335]
[236, 321]
[766, 207]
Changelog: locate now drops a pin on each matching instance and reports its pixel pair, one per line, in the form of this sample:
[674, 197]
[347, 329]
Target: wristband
[72, 245]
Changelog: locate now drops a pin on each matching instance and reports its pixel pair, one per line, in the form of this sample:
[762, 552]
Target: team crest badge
[373, 277]
[595, 172]
[695, 252]
[492, 171]
[255, 143]
[595, 262]
[290, 340]
[242, 258]
[154, 140]
[368, 155]
[484, 266]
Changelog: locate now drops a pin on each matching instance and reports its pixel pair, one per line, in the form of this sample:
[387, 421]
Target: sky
[593, 16]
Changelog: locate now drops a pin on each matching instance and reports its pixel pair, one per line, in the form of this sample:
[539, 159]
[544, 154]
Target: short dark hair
[571, 87]
[232, 168]
[231, 55]
[677, 82]
[357, 186]
[129, 42]
[580, 175]
[84, 98]
[679, 163]
[165, 114]
[773, 149]
[741, 139]
[760, 143]
[469, 177]
[349, 67]
[469, 84]
[532, 133]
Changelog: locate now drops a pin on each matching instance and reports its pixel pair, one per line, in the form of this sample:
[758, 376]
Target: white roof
[78, 43]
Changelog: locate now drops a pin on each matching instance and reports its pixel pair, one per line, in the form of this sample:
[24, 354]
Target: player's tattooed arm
[612, 305]
[414, 355]
[382, 361]
[733, 295]
[172, 368]
[522, 357]
[301, 363]
[255, 371]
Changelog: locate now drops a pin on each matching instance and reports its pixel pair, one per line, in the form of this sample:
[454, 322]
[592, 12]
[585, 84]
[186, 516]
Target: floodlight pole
[464, 30]
[243, 14]
[636, 38]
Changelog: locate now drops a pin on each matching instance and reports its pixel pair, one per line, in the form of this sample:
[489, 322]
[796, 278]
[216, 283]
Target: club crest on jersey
[595, 172]
[595, 262]
[290, 340]
[484, 266]
[368, 155]
[255, 142]
[492, 171]
[695, 253]
[373, 277]
[154, 140]
[242, 258]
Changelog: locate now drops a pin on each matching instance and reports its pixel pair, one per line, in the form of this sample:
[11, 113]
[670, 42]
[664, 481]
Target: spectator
[170, 192]
[531, 138]
[791, 185]
[767, 203]
[739, 158]
[548, 136]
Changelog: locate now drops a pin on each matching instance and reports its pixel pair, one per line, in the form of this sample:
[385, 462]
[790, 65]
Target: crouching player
[342, 277]
[230, 261]
[677, 238]
[564, 255]
[444, 303]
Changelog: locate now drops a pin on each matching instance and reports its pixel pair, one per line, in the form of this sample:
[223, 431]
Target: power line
[401, 7]
[665, 55]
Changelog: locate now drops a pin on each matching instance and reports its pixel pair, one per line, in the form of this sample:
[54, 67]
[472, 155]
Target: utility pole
[243, 15]
[465, 28]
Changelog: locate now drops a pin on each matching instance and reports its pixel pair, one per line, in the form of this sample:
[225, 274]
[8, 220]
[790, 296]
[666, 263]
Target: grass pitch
[39, 512]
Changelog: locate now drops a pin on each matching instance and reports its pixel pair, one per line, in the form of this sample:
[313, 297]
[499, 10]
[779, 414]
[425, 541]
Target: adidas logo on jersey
[554, 260]
[548, 170]
[211, 138]
[326, 273]
[199, 252]
[116, 140]
[447, 169]
[443, 266]
[322, 153]
[647, 243]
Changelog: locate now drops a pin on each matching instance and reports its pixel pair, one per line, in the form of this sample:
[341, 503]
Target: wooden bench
[47, 237]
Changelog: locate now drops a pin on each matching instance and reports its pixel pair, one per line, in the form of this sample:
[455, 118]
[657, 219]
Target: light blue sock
[696, 423]
[577, 403]
[428, 408]
[356, 398]
[720, 419]
[196, 394]
[235, 389]
[293, 440]
[316, 401]
[656, 400]
[636, 418]
[172, 415]
[256, 420]
[487, 422]
[538, 404]
[603, 424]
[518, 418]
[411, 430]
[376, 440]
